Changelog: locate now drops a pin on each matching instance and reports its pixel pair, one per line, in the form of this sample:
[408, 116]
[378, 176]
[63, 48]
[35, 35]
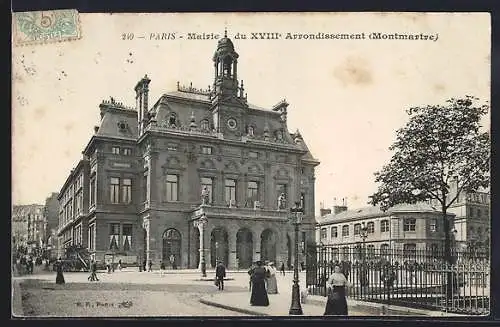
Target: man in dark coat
[258, 278]
[220, 273]
[60, 269]
[144, 265]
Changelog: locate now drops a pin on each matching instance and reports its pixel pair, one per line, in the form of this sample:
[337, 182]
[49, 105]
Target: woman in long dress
[336, 284]
[59, 276]
[272, 283]
[259, 294]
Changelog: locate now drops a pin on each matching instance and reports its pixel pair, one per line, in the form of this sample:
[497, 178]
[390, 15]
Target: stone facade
[154, 171]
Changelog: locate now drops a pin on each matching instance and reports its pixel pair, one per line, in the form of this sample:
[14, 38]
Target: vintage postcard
[250, 164]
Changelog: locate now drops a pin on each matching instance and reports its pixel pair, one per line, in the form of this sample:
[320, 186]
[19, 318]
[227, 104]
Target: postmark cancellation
[39, 27]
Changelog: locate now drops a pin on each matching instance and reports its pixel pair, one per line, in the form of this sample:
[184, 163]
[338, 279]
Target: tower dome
[225, 47]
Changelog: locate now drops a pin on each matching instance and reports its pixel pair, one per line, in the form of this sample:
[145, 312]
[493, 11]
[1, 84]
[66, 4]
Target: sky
[347, 97]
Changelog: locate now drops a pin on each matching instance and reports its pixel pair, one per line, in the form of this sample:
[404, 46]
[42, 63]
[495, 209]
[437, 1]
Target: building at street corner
[149, 173]
[28, 226]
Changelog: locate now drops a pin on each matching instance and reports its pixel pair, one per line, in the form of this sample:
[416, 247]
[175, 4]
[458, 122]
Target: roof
[189, 96]
[111, 120]
[375, 211]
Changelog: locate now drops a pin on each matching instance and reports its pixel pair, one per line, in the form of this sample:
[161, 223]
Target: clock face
[231, 123]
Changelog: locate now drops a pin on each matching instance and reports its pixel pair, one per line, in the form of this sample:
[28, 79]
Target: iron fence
[428, 279]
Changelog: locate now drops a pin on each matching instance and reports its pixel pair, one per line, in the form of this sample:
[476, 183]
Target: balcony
[240, 213]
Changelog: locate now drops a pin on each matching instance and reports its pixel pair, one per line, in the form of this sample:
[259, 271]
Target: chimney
[142, 98]
[339, 209]
[323, 212]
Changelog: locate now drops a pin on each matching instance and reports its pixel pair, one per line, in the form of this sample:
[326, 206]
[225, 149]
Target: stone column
[231, 235]
[256, 243]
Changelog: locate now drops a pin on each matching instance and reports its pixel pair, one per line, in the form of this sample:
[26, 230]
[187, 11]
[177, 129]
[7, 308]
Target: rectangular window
[91, 237]
[115, 189]
[303, 201]
[207, 182]
[115, 150]
[345, 253]
[370, 227]
[127, 190]
[253, 154]
[370, 250]
[357, 229]
[172, 188]
[323, 234]
[334, 232]
[230, 190]
[345, 230]
[433, 225]
[384, 226]
[127, 237]
[252, 193]
[206, 150]
[127, 151]
[409, 224]
[384, 249]
[92, 191]
[114, 237]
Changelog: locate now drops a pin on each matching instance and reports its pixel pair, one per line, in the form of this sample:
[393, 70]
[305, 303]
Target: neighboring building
[51, 221]
[402, 227]
[472, 219]
[73, 209]
[147, 168]
[28, 226]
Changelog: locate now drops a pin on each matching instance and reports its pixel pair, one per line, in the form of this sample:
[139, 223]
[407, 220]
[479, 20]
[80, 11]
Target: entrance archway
[244, 247]
[219, 249]
[268, 245]
[171, 246]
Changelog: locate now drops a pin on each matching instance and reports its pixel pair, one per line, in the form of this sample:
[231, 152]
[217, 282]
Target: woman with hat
[336, 285]
[272, 284]
[258, 279]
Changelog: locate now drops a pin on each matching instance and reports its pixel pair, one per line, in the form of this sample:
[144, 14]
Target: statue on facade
[281, 201]
[205, 196]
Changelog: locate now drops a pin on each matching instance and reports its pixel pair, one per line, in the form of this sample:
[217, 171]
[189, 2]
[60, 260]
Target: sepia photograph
[250, 164]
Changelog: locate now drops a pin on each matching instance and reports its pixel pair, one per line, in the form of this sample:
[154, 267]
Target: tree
[439, 146]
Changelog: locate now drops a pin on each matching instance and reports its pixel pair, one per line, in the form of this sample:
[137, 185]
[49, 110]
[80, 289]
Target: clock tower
[229, 102]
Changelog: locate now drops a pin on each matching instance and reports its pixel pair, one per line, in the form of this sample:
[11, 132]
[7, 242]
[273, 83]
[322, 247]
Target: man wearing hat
[220, 273]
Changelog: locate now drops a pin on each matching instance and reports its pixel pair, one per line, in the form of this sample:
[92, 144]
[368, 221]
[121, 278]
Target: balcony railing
[250, 213]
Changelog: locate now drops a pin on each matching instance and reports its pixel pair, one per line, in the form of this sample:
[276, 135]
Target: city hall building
[150, 173]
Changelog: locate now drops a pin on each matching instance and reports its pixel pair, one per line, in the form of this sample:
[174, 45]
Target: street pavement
[151, 294]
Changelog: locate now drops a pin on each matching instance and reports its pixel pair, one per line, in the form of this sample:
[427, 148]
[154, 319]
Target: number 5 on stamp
[38, 27]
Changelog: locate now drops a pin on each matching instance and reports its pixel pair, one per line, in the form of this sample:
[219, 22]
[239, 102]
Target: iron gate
[426, 279]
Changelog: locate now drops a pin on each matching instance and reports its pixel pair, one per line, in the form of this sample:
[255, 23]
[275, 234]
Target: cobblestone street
[126, 293]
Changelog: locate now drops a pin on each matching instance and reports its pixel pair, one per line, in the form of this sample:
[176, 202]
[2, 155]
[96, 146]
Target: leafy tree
[440, 145]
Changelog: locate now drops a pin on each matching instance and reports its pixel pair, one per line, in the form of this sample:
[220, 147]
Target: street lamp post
[200, 224]
[363, 233]
[296, 213]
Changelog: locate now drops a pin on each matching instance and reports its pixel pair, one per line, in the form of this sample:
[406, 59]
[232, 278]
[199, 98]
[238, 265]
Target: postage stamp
[38, 27]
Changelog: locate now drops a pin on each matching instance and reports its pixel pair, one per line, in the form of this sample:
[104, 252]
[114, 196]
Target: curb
[227, 307]
[17, 310]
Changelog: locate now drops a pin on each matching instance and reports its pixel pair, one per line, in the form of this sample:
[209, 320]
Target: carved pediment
[207, 164]
[231, 166]
[254, 169]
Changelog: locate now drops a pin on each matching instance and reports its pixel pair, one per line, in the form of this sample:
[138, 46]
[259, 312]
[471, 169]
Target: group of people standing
[262, 282]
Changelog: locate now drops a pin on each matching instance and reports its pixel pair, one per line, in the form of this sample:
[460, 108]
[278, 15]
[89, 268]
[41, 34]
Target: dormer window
[250, 131]
[172, 120]
[205, 125]
[122, 126]
[279, 135]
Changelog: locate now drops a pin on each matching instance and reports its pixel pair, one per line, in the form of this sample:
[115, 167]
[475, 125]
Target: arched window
[171, 246]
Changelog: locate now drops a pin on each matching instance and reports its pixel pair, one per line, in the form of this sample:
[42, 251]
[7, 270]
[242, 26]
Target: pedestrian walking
[259, 294]
[60, 275]
[162, 268]
[272, 283]
[120, 264]
[220, 273]
[144, 265]
[93, 271]
[150, 265]
[336, 285]
[282, 268]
